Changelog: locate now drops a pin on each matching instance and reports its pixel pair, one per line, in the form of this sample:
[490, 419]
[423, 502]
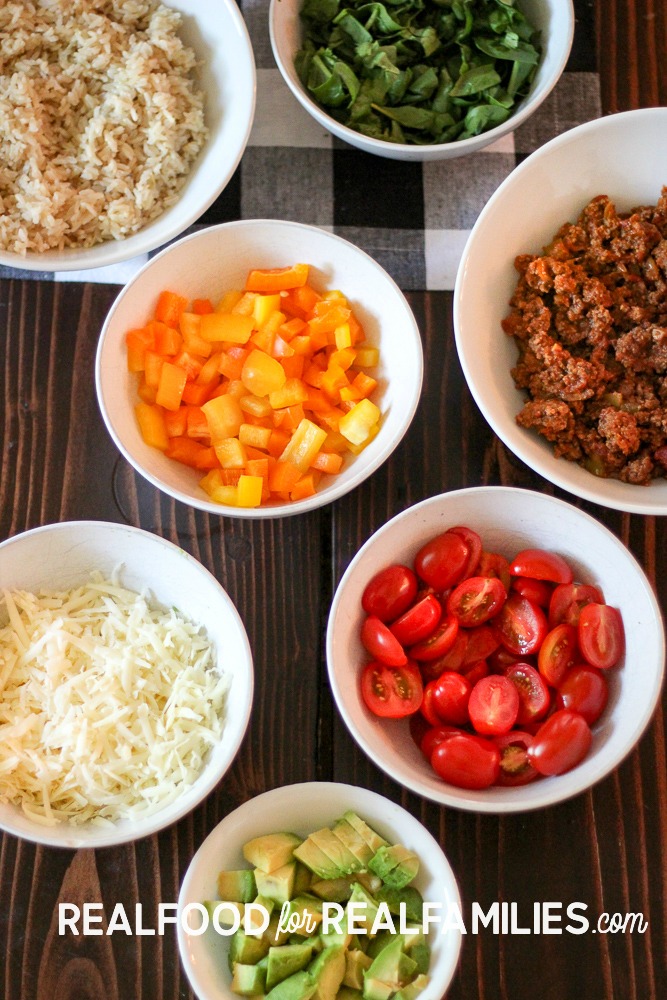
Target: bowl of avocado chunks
[336, 914]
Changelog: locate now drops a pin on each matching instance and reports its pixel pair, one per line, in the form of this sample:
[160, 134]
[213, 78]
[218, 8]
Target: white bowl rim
[335, 489]
[68, 834]
[537, 793]
[406, 150]
[309, 788]
[552, 469]
[112, 252]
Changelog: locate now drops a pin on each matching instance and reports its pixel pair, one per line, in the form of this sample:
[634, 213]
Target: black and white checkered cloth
[413, 218]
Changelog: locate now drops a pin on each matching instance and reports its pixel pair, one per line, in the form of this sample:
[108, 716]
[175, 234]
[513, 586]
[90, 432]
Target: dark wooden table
[606, 848]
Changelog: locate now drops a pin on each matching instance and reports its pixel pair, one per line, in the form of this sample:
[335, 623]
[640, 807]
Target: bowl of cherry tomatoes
[495, 649]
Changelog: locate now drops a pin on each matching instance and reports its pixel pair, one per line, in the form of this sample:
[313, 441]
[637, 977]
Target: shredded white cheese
[109, 705]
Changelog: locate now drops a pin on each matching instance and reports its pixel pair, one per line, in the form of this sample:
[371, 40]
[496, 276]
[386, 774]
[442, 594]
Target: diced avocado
[370, 882]
[315, 942]
[273, 934]
[334, 890]
[308, 909]
[246, 949]
[225, 911]
[248, 980]
[373, 839]
[347, 993]
[238, 886]
[316, 860]
[392, 965]
[356, 965]
[345, 861]
[353, 841]
[411, 897]
[302, 878]
[328, 970]
[411, 990]
[278, 884]
[300, 986]
[364, 916]
[285, 961]
[271, 851]
[375, 989]
[253, 918]
[396, 866]
[379, 943]
[332, 938]
[420, 953]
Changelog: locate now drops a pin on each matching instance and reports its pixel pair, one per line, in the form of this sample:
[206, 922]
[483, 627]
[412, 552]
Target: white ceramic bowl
[61, 556]
[622, 156]
[554, 18]
[213, 261]
[226, 75]
[508, 520]
[302, 809]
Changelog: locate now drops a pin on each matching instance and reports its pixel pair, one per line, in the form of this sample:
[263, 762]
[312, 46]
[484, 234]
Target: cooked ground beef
[589, 316]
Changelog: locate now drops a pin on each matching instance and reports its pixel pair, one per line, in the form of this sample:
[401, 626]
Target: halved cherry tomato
[476, 600]
[494, 705]
[442, 561]
[438, 643]
[449, 698]
[601, 635]
[493, 564]
[557, 653]
[501, 660]
[482, 641]
[453, 660]
[436, 735]
[391, 692]
[389, 593]
[584, 689]
[515, 768]
[540, 565]
[427, 707]
[474, 543]
[381, 643]
[418, 622]
[521, 625]
[537, 591]
[568, 599]
[534, 696]
[560, 743]
[474, 671]
[467, 761]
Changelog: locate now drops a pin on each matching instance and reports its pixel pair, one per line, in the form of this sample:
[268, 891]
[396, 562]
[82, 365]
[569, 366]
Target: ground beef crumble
[589, 316]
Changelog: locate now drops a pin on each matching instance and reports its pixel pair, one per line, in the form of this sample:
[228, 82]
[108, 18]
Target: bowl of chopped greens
[421, 80]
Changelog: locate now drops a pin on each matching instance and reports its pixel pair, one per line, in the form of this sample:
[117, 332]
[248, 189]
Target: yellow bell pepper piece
[263, 307]
[249, 491]
[224, 417]
[253, 436]
[171, 385]
[304, 445]
[357, 424]
[151, 424]
[231, 453]
[262, 374]
[232, 328]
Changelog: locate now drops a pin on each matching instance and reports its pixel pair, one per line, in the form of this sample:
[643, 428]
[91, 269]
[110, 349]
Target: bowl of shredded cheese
[126, 683]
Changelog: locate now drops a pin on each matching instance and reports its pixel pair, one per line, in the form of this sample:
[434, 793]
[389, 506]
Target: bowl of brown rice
[119, 125]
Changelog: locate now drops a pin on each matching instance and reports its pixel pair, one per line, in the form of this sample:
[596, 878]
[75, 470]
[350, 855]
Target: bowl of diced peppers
[259, 368]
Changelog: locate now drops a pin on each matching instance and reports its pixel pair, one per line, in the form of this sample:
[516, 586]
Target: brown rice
[100, 120]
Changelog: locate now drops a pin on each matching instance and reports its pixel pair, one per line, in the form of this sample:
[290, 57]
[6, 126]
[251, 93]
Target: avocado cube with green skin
[334, 890]
[273, 934]
[420, 953]
[408, 895]
[412, 990]
[353, 841]
[333, 938]
[271, 851]
[285, 961]
[392, 965]
[370, 882]
[225, 912]
[362, 917]
[302, 878]
[328, 970]
[308, 909]
[375, 989]
[248, 980]
[238, 886]
[300, 986]
[356, 966]
[396, 866]
[316, 860]
[277, 885]
[336, 851]
[373, 839]
[246, 949]
[254, 918]
[315, 942]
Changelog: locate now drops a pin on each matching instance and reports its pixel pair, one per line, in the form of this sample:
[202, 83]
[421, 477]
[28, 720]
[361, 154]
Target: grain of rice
[100, 120]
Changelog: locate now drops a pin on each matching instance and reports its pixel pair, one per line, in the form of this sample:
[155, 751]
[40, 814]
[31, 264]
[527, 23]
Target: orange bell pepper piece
[169, 308]
[171, 385]
[277, 279]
